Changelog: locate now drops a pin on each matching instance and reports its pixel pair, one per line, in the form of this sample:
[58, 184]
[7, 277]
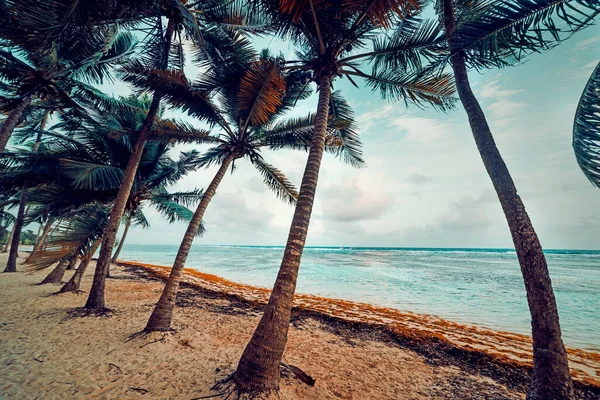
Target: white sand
[45, 355]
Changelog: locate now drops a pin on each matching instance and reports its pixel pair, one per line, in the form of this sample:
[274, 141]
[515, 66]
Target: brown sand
[46, 353]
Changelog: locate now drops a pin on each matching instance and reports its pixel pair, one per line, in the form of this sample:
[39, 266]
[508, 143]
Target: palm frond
[187, 199]
[138, 218]
[496, 32]
[276, 181]
[419, 89]
[92, 176]
[586, 129]
[72, 237]
[260, 92]
[343, 139]
[413, 43]
[182, 132]
[381, 13]
[175, 212]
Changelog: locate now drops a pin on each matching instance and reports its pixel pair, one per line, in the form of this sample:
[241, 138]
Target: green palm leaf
[496, 32]
[276, 181]
[92, 176]
[73, 237]
[586, 130]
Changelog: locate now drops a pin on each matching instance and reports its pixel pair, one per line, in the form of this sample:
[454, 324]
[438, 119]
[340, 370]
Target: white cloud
[502, 105]
[354, 200]
[584, 44]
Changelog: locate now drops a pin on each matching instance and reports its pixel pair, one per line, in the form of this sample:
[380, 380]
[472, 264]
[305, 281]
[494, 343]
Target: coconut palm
[30, 70]
[497, 33]
[330, 37]
[87, 166]
[246, 103]
[161, 48]
[11, 265]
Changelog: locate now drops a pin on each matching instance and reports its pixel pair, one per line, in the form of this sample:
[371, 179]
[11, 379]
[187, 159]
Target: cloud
[231, 211]
[584, 44]
[420, 129]
[502, 106]
[419, 179]
[469, 214]
[352, 201]
[369, 119]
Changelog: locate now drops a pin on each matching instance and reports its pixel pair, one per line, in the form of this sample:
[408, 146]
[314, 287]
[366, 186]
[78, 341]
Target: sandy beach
[354, 351]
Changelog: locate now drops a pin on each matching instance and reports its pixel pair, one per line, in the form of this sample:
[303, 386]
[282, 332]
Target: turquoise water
[475, 286]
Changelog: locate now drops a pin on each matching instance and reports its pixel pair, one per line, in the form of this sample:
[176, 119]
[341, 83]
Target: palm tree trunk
[40, 242]
[12, 121]
[11, 265]
[551, 379]
[160, 319]
[96, 297]
[258, 369]
[115, 257]
[9, 241]
[75, 282]
[57, 273]
[37, 236]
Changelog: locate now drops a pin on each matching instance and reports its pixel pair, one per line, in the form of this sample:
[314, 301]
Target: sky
[424, 184]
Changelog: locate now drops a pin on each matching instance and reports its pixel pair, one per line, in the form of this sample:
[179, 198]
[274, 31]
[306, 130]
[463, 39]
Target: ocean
[482, 287]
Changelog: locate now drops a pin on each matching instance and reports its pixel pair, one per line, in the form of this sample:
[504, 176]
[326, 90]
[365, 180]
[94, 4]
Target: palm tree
[586, 129]
[162, 47]
[498, 33]
[11, 265]
[115, 256]
[87, 167]
[252, 94]
[29, 71]
[330, 36]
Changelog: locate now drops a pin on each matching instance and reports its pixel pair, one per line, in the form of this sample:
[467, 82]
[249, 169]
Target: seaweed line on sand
[502, 356]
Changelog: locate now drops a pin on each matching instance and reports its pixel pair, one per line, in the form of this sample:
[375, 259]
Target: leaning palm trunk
[12, 121]
[40, 242]
[9, 241]
[115, 257]
[551, 379]
[45, 233]
[258, 369]
[11, 265]
[161, 317]
[57, 273]
[74, 283]
[96, 297]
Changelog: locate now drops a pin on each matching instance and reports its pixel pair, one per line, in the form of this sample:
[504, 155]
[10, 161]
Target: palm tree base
[160, 320]
[550, 365]
[56, 275]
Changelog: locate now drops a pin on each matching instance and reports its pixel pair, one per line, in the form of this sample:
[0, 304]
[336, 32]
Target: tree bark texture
[258, 369]
[12, 121]
[56, 275]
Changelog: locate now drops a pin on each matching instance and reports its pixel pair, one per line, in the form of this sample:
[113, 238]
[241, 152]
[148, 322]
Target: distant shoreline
[387, 248]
